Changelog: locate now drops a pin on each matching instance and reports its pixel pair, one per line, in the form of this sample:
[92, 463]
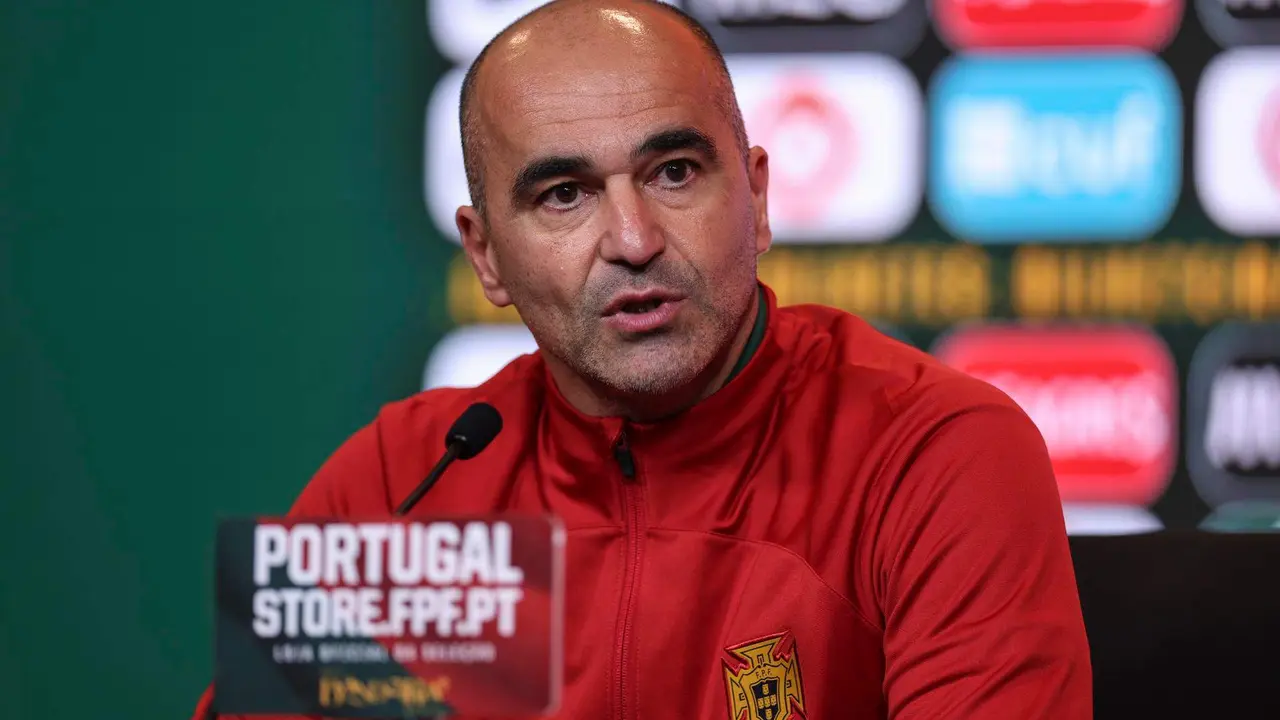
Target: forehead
[592, 101]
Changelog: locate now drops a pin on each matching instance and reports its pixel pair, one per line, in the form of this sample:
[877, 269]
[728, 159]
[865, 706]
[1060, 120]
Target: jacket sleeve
[975, 582]
[358, 460]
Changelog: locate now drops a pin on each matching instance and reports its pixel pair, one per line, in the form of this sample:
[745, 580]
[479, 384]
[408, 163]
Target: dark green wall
[215, 264]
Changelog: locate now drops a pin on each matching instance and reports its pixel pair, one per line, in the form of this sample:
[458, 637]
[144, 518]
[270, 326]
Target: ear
[758, 176]
[478, 245]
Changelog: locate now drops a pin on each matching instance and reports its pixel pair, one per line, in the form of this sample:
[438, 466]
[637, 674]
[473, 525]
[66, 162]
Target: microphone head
[474, 429]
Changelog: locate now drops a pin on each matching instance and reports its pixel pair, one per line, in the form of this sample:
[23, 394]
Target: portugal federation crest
[762, 678]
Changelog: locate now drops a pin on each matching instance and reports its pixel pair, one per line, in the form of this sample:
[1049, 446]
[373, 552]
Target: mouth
[643, 313]
[640, 303]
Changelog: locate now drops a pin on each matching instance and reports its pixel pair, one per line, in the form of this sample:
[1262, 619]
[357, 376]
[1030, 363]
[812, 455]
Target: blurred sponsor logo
[939, 283]
[1055, 148]
[1237, 162]
[1242, 432]
[468, 356]
[461, 28]
[1233, 414]
[844, 139]
[888, 26]
[1170, 280]
[1241, 22]
[1103, 398]
[1252, 9]
[411, 693]
[1055, 23]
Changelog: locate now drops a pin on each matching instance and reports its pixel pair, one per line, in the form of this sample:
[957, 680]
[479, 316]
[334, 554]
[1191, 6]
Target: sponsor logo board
[1103, 398]
[844, 138]
[1233, 414]
[1237, 148]
[1054, 147]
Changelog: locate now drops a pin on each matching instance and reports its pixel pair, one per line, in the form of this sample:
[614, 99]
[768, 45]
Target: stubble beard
[676, 361]
[658, 364]
[649, 366]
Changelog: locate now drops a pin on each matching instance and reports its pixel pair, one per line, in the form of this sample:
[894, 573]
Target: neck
[598, 401]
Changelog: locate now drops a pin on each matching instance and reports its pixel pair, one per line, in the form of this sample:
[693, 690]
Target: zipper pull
[622, 454]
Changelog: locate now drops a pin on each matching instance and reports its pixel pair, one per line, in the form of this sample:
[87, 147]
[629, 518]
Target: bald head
[574, 31]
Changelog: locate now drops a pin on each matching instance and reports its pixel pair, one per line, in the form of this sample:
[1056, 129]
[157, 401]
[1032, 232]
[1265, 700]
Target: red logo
[811, 143]
[1104, 400]
[1020, 23]
[1269, 137]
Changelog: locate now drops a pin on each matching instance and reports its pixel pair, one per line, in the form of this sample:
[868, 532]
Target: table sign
[393, 617]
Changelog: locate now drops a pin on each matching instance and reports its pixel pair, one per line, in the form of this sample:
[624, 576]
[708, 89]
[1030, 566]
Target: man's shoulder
[430, 413]
[384, 460]
[860, 362]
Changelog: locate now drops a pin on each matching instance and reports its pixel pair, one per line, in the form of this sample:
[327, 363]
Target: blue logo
[1055, 148]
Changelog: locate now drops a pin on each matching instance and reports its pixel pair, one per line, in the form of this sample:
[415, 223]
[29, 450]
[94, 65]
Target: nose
[632, 236]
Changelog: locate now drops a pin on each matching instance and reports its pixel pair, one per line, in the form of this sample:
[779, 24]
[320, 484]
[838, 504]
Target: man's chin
[652, 374]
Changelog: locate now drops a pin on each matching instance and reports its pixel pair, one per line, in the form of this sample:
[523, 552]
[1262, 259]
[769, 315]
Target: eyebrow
[539, 171]
[542, 170]
[685, 138]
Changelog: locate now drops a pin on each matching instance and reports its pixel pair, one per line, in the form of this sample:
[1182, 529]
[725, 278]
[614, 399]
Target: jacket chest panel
[722, 624]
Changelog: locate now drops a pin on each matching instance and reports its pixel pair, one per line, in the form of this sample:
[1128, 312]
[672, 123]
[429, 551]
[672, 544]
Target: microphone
[472, 432]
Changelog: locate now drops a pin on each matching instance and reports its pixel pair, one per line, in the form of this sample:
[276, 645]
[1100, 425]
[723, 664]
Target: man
[749, 491]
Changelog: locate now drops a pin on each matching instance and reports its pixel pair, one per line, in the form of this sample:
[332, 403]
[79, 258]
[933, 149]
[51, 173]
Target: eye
[675, 173]
[562, 197]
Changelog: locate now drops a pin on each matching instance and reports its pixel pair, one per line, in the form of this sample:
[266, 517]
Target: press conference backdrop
[225, 241]
[1075, 200]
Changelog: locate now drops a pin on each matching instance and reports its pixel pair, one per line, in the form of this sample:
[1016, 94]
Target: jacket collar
[722, 433]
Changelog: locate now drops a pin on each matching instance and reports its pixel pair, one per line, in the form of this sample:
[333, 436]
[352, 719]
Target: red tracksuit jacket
[879, 533]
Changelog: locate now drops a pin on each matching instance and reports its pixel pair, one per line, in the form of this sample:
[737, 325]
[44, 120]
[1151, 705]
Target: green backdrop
[215, 264]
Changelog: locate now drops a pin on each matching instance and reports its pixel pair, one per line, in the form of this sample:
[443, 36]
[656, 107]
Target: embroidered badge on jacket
[762, 678]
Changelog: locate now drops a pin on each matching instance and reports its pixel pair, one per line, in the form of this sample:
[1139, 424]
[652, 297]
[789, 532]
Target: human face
[622, 221]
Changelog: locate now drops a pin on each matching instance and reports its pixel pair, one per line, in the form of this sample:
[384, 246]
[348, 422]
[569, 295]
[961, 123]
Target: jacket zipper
[633, 517]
